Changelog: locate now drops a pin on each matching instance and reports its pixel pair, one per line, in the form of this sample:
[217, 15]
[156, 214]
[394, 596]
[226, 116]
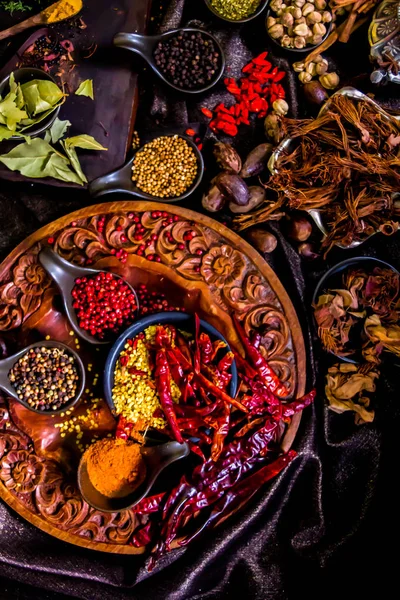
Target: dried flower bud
[276, 31]
[272, 126]
[312, 69]
[280, 106]
[305, 77]
[322, 67]
[287, 19]
[301, 30]
[316, 40]
[319, 29]
[300, 42]
[314, 17]
[270, 22]
[330, 80]
[319, 4]
[318, 59]
[299, 66]
[307, 9]
[296, 12]
[326, 16]
[286, 41]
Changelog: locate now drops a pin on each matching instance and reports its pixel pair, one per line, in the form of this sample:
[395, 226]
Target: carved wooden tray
[215, 273]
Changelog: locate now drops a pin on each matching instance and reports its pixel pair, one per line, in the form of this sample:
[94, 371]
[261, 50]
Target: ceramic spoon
[40, 19]
[120, 181]
[7, 364]
[156, 459]
[145, 45]
[64, 274]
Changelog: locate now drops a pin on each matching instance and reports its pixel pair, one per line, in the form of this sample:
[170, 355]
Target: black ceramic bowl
[179, 319]
[256, 13]
[305, 50]
[333, 280]
[23, 76]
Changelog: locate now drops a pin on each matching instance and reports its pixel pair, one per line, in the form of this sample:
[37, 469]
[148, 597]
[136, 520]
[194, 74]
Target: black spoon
[145, 45]
[120, 181]
[64, 274]
[156, 459]
[7, 364]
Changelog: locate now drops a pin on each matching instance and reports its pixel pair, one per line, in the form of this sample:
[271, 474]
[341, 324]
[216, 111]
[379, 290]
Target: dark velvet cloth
[326, 526]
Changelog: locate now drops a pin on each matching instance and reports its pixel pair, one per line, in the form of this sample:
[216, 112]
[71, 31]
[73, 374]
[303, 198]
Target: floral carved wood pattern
[199, 256]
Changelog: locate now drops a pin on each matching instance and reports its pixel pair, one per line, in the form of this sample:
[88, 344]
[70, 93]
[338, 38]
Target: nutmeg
[263, 240]
[214, 200]
[315, 93]
[257, 197]
[227, 157]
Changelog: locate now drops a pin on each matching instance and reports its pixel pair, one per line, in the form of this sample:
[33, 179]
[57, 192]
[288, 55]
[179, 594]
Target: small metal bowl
[179, 320]
[7, 364]
[332, 279]
[255, 14]
[305, 50]
[23, 76]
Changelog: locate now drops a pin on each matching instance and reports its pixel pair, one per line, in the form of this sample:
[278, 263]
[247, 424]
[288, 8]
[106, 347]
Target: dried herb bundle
[347, 165]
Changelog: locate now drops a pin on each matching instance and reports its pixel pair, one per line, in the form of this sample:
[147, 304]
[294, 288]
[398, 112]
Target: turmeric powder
[115, 467]
[63, 9]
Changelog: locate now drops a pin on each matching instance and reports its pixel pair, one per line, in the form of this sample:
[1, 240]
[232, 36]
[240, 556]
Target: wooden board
[110, 118]
[227, 276]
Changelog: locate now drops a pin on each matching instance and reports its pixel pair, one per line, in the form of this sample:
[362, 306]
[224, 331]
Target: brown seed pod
[306, 250]
[263, 240]
[256, 161]
[299, 229]
[233, 187]
[214, 200]
[257, 196]
[315, 93]
[227, 157]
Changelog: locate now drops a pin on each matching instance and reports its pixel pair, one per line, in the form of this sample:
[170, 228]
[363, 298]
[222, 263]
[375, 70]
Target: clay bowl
[64, 274]
[178, 319]
[156, 459]
[332, 279]
[120, 180]
[145, 45]
[6, 385]
[23, 76]
[256, 13]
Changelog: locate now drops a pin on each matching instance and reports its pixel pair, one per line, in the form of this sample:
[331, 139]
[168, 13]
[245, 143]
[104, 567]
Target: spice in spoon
[166, 167]
[115, 467]
[45, 378]
[235, 9]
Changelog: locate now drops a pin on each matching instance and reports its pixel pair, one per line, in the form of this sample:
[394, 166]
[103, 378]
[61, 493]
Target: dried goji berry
[206, 112]
[191, 132]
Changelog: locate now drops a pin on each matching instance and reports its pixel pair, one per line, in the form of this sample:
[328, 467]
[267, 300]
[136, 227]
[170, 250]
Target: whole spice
[257, 197]
[296, 24]
[256, 161]
[214, 200]
[330, 81]
[235, 9]
[299, 228]
[233, 187]
[263, 240]
[189, 60]
[115, 467]
[103, 304]
[165, 167]
[227, 157]
[315, 93]
[45, 378]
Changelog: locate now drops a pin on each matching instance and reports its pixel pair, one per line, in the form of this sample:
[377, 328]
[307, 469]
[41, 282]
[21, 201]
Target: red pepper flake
[191, 132]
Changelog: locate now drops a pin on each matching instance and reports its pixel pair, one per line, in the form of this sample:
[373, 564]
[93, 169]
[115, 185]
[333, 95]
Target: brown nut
[233, 187]
[214, 200]
[326, 16]
[319, 29]
[330, 80]
[299, 66]
[287, 19]
[270, 22]
[256, 160]
[319, 4]
[276, 31]
[300, 42]
[227, 157]
[273, 127]
[314, 17]
[307, 9]
[301, 30]
[305, 77]
[257, 197]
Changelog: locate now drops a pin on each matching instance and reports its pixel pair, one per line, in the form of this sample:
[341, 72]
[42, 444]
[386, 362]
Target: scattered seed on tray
[165, 167]
[103, 303]
[189, 60]
[45, 378]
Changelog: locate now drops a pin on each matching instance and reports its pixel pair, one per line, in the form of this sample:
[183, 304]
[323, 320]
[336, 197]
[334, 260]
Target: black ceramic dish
[7, 364]
[260, 9]
[305, 50]
[333, 280]
[23, 76]
[145, 45]
[156, 459]
[120, 181]
[64, 274]
[180, 320]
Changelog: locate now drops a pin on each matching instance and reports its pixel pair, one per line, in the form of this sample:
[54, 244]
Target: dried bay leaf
[86, 89]
[10, 114]
[73, 157]
[57, 131]
[41, 95]
[87, 142]
[5, 133]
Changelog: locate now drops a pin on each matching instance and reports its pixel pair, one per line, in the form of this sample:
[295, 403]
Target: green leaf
[73, 157]
[10, 113]
[5, 133]
[27, 123]
[57, 131]
[86, 89]
[38, 159]
[41, 95]
[87, 142]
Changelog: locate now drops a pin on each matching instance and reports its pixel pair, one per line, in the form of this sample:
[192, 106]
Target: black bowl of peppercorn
[246, 10]
[188, 60]
[46, 377]
[23, 76]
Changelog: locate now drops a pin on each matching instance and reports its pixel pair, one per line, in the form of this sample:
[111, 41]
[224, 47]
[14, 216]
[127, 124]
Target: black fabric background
[329, 524]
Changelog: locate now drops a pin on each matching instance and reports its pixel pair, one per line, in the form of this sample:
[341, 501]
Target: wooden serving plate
[216, 273]
[110, 117]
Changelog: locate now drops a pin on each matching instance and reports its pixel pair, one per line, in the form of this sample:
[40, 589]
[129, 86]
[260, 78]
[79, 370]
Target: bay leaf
[57, 131]
[5, 133]
[57, 167]
[41, 95]
[73, 157]
[27, 123]
[86, 89]
[87, 142]
[10, 113]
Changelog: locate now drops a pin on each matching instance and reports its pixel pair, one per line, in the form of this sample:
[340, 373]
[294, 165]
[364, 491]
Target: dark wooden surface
[110, 118]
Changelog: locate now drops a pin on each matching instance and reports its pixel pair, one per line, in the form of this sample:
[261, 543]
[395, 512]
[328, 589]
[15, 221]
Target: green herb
[57, 131]
[86, 89]
[41, 95]
[14, 6]
[84, 141]
[74, 160]
[235, 9]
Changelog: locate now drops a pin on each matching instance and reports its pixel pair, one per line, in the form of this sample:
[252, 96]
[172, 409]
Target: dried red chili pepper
[162, 375]
[124, 428]
[296, 406]
[134, 371]
[143, 536]
[149, 505]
